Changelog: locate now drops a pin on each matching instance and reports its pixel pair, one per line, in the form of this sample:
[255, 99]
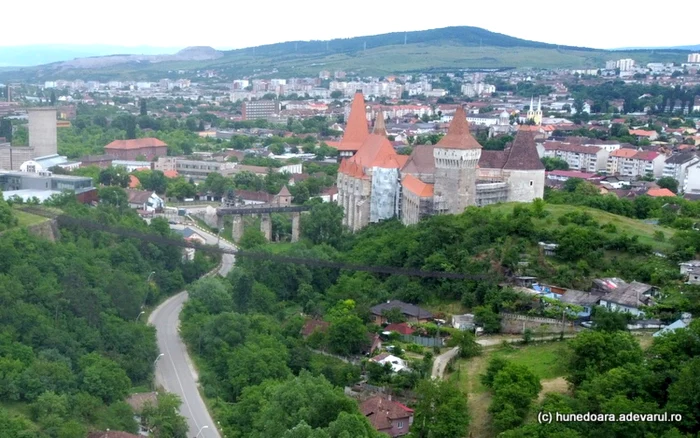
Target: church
[375, 183]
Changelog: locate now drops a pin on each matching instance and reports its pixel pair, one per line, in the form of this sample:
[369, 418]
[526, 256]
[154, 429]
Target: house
[314, 325]
[400, 328]
[138, 402]
[660, 193]
[587, 300]
[412, 312]
[191, 235]
[549, 249]
[387, 416]
[691, 270]
[150, 148]
[463, 322]
[397, 364]
[644, 134]
[682, 323]
[144, 200]
[618, 295]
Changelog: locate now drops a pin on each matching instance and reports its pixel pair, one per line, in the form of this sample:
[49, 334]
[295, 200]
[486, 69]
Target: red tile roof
[314, 325]
[356, 131]
[134, 182]
[522, 154]
[171, 174]
[568, 147]
[376, 151]
[458, 135]
[401, 328]
[657, 193]
[624, 153]
[381, 411]
[417, 187]
[137, 143]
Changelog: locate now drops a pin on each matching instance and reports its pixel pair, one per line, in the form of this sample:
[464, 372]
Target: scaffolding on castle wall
[385, 189]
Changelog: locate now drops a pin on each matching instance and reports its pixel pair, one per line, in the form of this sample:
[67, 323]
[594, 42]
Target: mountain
[23, 56]
[690, 47]
[445, 49]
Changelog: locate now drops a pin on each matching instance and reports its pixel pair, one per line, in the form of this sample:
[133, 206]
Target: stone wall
[47, 230]
[517, 324]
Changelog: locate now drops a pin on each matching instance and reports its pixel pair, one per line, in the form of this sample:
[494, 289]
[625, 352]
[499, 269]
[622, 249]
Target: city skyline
[155, 24]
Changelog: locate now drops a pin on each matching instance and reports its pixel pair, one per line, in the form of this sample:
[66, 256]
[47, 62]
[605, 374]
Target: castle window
[531, 182]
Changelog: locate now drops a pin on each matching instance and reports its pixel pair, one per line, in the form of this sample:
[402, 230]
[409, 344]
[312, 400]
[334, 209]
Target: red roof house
[387, 416]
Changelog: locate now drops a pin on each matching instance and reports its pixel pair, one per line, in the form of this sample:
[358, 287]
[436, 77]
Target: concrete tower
[456, 159]
[42, 131]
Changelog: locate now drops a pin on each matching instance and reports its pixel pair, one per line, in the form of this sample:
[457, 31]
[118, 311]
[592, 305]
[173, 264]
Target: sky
[237, 24]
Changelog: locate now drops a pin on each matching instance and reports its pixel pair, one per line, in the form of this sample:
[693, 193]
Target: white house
[397, 364]
[692, 179]
[144, 200]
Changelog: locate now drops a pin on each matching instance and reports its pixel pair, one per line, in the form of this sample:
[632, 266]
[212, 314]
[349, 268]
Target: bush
[414, 348]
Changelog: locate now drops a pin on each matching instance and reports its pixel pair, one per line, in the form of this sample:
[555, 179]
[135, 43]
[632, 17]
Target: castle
[375, 183]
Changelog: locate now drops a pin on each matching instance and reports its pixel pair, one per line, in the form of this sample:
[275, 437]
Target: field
[26, 219]
[546, 359]
[632, 227]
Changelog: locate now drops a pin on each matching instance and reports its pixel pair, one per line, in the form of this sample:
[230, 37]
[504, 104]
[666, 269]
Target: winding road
[175, 371]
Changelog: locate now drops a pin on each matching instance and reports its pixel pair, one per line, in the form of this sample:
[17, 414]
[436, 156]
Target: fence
[422, 340]
[514, 324]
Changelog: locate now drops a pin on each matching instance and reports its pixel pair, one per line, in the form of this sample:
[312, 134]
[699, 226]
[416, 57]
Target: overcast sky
[235, 24]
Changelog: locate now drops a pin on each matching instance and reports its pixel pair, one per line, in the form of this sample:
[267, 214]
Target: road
[174, 370]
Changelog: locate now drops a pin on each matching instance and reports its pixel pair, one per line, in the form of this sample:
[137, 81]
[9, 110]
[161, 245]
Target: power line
[66, 220]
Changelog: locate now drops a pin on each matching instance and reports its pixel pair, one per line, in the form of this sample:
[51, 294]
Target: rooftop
[136, 143]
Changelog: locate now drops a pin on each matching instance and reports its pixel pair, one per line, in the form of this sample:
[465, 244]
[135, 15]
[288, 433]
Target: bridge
[264, 211]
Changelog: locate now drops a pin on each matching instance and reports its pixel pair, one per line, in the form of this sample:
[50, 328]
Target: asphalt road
[174, 370]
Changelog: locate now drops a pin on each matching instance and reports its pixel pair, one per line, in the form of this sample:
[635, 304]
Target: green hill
[445, 49]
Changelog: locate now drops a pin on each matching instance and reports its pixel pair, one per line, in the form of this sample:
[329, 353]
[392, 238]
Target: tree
[252, 238]
[609, 320]
[514, 387]
[181, 189]
[466, 341]
[213, 294]
[554, 163]
[488, 319]
[164, 417]
[323, 224]
[441, 411]
[594, 352]
[52, 98]
[668, 182]
[114, 196]
[143, 107]
[103, 378]
[336, 94]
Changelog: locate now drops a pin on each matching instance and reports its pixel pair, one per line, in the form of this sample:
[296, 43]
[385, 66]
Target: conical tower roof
[458, 134]
[356, 131]
[379, 125]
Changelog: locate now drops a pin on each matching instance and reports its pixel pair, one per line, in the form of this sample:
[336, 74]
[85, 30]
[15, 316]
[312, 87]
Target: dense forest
[72, 345]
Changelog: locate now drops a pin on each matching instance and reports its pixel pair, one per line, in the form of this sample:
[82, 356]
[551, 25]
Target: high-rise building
[694, 58]
[42, 131]
[260, 109]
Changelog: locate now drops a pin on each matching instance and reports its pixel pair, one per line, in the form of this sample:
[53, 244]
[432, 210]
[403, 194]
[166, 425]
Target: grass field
[632, 227]
[25, 219]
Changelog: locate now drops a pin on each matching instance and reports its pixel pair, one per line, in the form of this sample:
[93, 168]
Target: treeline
[71, 347]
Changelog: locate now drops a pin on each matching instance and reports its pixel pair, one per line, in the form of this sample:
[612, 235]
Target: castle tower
[456, 158]
[379, 125]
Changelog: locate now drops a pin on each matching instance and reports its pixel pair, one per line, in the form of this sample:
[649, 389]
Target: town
[433, 254]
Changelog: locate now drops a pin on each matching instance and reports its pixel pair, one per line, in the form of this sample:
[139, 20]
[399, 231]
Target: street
[174, 370]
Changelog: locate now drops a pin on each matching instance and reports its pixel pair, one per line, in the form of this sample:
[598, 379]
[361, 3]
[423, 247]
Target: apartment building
[260, 109]
[584, 158]
[634, 163]
[676, 167]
